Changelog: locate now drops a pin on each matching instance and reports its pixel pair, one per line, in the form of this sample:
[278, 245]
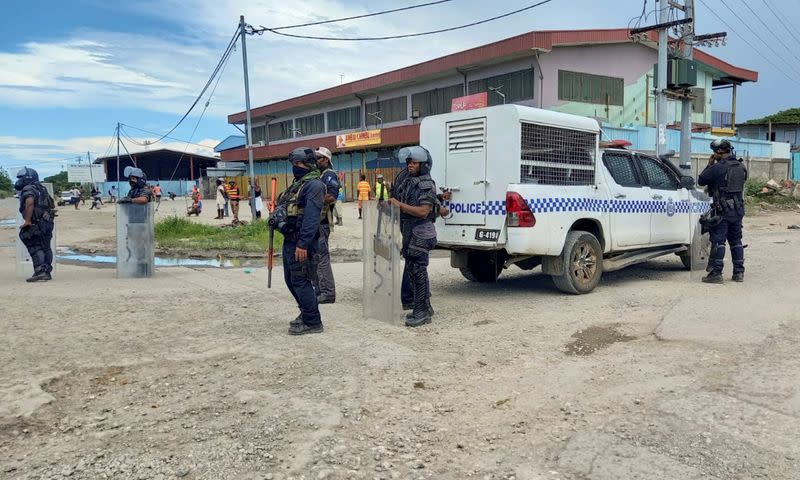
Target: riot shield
[697, 259]
[383, 267]
[135, 240]
[24, 265]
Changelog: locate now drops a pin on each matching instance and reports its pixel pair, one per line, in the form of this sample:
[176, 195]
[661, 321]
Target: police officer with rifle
[725, 178]
[297, 215]
[38, 213]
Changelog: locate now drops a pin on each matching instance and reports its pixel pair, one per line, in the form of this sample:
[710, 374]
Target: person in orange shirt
[364, 191]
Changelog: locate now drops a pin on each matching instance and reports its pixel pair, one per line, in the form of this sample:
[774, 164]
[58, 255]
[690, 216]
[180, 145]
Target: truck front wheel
[582, 260]
[484, 267]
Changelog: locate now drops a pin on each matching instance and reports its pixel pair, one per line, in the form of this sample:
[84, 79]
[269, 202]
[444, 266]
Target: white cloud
[49, 156]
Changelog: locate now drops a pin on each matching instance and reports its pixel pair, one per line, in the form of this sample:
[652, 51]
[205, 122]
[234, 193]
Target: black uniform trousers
[36, 239]
[298, 277]
[730, 230]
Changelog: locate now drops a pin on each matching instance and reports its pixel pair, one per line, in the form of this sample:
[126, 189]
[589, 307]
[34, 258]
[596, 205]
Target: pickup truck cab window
[657, 176]
[622, 169]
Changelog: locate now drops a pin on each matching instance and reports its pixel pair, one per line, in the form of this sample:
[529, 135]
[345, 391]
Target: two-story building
[595, 73]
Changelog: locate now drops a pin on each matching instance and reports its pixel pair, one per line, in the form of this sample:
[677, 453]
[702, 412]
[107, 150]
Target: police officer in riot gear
[38, 213]
[139, 193]
[417, 205]
[323, 273]
[297, 216]
[725, 177]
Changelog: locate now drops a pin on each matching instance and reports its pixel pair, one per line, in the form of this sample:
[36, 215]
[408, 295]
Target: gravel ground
[191, 375]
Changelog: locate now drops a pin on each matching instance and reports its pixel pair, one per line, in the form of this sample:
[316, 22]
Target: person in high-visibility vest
[381, 188]
[233, 198]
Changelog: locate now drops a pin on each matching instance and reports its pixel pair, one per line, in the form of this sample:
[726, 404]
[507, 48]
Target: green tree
[6, 185]
[59, 182]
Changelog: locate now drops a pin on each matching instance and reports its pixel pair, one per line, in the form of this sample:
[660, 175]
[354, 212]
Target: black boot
[712, 277]
[738, 277]
[39, 277]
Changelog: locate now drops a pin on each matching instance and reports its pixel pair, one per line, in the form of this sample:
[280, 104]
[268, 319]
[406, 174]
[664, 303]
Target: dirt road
[191, 375]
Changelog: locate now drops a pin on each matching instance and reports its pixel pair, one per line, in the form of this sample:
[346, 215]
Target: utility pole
[118, 184]
[91, 174]
[661, 81]
[248, 130]
[686, 103]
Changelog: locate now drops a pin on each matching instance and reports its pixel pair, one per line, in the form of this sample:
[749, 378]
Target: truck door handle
[620, 195]
[485, 182]
[657, 197]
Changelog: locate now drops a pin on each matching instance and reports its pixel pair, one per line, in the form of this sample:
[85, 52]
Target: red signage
[470, 102]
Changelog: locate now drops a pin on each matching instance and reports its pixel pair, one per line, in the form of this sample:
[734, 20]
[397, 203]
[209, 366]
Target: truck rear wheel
[582, 260]
[483, 267]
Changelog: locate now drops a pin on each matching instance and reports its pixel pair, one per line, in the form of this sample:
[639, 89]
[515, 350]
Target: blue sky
[72, 69]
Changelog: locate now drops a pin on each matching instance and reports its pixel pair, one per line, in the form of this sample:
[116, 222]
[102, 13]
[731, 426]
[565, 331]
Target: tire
[484, 267]
[582, 260]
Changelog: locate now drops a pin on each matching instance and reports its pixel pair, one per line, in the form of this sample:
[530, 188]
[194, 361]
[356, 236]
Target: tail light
[518, 214]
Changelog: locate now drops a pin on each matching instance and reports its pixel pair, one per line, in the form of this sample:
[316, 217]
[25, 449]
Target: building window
[310, 125]
[436, 101]
[516, 86]
[280, 131]
[588, 88]
[344, 119]
[258, 134]
[699, 102]
[390, 110]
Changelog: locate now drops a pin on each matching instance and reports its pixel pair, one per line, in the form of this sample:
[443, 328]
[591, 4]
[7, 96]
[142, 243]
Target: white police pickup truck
[533, 187]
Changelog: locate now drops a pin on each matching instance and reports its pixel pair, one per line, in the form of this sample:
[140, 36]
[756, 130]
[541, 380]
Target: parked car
[65, 198]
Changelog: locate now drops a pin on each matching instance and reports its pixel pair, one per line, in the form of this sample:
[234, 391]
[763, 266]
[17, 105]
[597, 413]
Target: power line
[408, 35]
[375, 14]
[781, 20]
[197, 124]
[748, 43]
[747, 25]
[127, 135]
[768, 28]
[228, 50]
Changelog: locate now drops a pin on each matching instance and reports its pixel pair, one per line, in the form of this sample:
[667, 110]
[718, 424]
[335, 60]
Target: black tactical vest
[735, 177]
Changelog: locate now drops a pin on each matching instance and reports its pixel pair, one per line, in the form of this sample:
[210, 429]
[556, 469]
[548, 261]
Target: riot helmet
[721, 145]
[26, 176]
[304, 155]
[419, 155]
[136, 177]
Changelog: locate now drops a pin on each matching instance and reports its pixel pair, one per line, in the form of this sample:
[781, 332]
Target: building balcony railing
[722, 119]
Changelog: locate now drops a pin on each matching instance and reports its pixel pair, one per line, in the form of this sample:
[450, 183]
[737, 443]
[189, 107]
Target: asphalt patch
[594, 338]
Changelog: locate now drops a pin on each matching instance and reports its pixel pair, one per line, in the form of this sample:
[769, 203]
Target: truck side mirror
[687, 182]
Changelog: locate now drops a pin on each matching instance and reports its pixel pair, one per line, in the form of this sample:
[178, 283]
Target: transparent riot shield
[383, 266]
[135, 240]
[697, 259]
[24, 267]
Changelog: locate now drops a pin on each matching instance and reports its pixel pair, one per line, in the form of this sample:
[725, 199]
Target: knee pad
[717, 250]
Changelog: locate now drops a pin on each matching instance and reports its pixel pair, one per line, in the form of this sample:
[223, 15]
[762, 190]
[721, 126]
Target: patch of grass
[181, 234]
[753, 186]
[5, 194]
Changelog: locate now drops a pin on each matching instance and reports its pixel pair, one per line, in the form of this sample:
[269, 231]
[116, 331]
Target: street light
[497, 91]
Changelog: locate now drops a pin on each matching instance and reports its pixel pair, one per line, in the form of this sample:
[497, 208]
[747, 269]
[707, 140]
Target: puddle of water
[594, 338]
[8, 223]
[71, 256]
